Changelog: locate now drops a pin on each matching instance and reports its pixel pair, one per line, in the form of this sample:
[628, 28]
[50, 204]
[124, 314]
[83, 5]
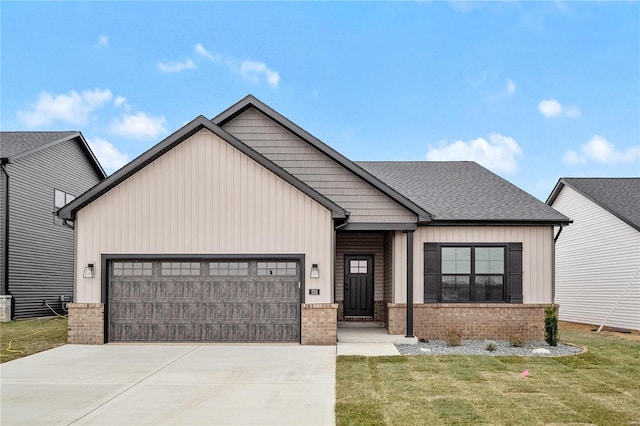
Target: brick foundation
[5, 308]
[319, 324]
[477, 320]
[379, 312]
[86, 323]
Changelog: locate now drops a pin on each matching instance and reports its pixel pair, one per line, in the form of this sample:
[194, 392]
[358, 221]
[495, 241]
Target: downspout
[3, 162]
[553, 266]
[409, 283]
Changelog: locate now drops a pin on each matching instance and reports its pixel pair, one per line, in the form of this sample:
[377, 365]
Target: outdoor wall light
[89, 271]
[315, 272]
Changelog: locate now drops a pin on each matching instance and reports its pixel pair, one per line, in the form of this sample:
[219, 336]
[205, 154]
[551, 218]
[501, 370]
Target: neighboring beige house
[598, 256]
[247, 228]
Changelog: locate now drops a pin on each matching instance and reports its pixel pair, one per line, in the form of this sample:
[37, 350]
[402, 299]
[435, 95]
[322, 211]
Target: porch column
[409, 283]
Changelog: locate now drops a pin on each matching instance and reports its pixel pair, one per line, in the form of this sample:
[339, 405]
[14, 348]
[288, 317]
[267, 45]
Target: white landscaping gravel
[478, 347]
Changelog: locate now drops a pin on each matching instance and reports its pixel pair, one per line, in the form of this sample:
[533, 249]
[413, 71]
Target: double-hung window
[472, 274]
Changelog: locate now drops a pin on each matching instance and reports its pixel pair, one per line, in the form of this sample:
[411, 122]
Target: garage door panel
[123, 310]
[194, 301]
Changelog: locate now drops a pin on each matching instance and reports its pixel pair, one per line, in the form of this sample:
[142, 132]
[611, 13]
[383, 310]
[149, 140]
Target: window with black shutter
[481, 273]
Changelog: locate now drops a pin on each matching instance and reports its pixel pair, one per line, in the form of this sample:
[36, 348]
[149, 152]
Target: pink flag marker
[525, 373]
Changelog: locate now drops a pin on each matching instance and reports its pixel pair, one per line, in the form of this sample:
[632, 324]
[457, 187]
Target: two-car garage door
[204, 300]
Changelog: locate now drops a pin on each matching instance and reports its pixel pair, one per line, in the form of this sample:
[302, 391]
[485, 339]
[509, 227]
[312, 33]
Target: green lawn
[601, 386]
[25, 337]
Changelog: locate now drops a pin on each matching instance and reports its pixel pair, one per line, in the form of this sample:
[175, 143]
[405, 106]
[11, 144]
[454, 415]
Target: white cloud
[72, 107]
[572, 157]
[254, 70]
[176, 66]
[120, 101]
[200, 50]
[553, 108]
[511, 87]
[500, 153]
[600, 150]
[103, 40]
[139, 126]
[108, 155]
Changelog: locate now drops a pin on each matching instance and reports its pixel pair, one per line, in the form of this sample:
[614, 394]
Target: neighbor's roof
[14, 145]
[619, 196]
[462, 191]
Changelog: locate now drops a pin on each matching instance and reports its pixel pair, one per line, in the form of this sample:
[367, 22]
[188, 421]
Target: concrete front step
[372, 335]
[360, 324]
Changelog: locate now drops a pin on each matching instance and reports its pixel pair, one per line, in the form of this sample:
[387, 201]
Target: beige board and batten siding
[537, 256]
[204, 197]
[596, 258]
[360, 243]
[316, 169]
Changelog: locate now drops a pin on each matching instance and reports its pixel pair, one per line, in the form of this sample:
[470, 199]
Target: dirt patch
[574, 326]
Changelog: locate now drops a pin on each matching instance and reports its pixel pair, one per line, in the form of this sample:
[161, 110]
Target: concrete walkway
[171, 384]
[367, 341]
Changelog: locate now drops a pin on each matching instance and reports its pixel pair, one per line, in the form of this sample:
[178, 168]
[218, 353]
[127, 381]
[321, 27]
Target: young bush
[516, 341]
[453, 337]
[551, 325]
[491, 346]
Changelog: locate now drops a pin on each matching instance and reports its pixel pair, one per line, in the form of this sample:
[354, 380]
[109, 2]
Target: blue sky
[534, 91]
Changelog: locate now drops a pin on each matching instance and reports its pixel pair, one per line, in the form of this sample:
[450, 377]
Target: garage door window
[228, 269]
[134, 269]
[277, 268]
[180, 268]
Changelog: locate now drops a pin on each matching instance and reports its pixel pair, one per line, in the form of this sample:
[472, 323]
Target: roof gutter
[3, 162]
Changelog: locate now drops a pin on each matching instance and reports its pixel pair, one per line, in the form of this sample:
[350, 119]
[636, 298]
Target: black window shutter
[431, 272]
[515, 273]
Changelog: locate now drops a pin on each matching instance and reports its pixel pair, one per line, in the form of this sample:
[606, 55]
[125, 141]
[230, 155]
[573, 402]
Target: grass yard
[601, 386]
[25, 337]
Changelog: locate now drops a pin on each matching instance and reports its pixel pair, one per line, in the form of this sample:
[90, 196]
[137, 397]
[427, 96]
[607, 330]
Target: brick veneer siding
[319, 324]
[5, 308]
[379, 314]
[86, 323]
[477, 320]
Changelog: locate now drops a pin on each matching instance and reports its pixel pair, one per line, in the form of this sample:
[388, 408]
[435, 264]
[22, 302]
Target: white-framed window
[60, 199]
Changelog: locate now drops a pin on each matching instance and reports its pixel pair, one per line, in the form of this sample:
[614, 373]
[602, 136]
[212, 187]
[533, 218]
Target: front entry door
[358, 285]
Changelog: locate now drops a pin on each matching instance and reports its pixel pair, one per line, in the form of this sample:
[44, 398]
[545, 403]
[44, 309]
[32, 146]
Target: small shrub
[516, 341]
[453, 337]
[551, 325]
[491, 346]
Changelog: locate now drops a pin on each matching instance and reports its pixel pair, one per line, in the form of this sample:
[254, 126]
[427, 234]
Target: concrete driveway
[171, 384]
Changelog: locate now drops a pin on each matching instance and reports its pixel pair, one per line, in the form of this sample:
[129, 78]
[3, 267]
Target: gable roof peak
[251, 101]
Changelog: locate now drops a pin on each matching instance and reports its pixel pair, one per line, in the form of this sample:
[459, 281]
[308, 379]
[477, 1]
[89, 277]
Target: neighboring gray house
[41, 172]
[598, 256]
[246, 227]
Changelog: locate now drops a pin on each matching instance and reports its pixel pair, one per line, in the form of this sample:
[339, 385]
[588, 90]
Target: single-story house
[246, 227]
[598, 256]
[40, 172]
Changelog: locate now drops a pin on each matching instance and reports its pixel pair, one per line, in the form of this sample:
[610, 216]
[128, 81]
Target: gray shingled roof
[620, 196]
[462, 191]
[14, 143]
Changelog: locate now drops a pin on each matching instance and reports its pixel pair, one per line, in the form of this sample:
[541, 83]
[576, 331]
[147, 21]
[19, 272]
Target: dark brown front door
[358, 285]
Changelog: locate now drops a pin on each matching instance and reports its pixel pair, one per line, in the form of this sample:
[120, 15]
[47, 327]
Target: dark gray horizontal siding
[2, 231]
[41, 253]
